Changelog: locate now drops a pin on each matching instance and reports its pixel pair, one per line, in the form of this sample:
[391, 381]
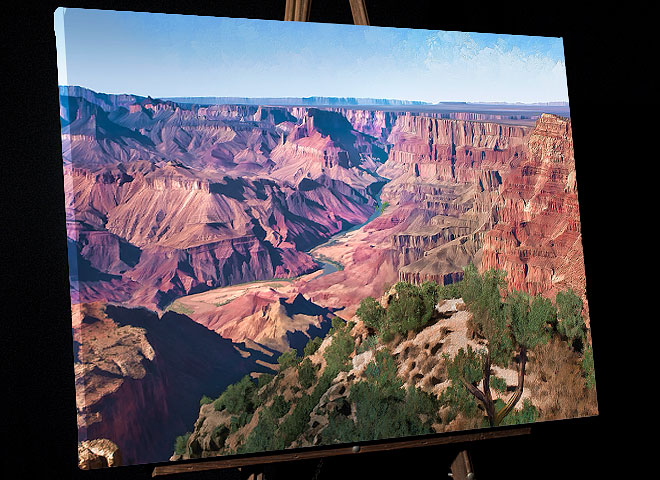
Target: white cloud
[470, 69]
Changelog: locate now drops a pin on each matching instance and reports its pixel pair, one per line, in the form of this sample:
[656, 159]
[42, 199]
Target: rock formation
[134, 369]
[164, 200]
[537, 238]
[98, 453]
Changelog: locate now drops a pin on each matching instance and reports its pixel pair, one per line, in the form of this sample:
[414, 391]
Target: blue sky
[165, 55]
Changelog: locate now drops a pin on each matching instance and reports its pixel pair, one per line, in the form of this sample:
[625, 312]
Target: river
[329, 266]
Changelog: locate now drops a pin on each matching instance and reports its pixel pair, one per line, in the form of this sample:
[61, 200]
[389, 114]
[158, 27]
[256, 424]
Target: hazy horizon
[183, 98]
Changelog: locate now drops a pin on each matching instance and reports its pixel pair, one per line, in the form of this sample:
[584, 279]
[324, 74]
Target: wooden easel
[298, 11]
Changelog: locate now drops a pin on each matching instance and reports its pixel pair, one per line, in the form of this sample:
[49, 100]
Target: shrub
[238, 421]
[482, 295]
[264, 379]
[297, 421]
[449, 291]
[466, 366]
[369, 343]
[570, 323]
[383, 409]
[529, 321]
[411, 307]
[306, 373]
[205, 400]
[288, 359]
[180, 444]
[527, 414]
[371, 313]
[336, 355]
[588, 368]
[279, 407]
[558, 384]
[263, 437]
[338, 323]
[312, 346]
[459, 400]
[498, 384]
[238, 397]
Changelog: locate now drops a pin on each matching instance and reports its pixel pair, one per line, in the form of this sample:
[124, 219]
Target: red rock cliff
[452, 150]
[537, 239]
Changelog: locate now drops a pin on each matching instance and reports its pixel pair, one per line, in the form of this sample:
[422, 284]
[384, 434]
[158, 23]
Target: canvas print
[286, 235]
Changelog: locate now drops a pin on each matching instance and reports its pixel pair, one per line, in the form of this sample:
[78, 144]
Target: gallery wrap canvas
[296, 235]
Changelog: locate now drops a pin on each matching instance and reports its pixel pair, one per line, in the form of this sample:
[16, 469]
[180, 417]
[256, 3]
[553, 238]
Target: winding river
[329, 266]
[223, 295]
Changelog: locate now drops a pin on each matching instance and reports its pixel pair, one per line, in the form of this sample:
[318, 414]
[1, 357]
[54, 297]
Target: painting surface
[288, 235]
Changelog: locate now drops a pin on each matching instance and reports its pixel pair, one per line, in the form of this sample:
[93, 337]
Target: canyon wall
[139, 378]
[537, 238]
[451, 170]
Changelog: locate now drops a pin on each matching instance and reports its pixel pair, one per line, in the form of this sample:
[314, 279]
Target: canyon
[213, 237]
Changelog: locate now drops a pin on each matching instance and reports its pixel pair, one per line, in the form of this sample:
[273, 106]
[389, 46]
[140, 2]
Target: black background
[39, 423]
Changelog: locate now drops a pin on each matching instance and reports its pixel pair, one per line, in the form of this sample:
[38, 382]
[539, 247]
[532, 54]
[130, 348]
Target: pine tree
[511, 326]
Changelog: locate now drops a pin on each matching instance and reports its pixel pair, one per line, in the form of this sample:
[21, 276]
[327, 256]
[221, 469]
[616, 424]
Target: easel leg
[461, 467]
[251, 474]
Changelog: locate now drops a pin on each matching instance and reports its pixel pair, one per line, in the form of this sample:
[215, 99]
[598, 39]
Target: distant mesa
[294, 101]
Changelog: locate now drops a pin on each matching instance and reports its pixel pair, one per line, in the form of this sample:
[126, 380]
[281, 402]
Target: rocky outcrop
[268, 318]
[420, 363]
[98, 453]
[325, 143]
[164, 273]
[537, 238]
[444, 264]
[134, 380]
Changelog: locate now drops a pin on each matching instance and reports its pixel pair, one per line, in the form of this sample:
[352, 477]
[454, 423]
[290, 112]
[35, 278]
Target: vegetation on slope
[279, 411]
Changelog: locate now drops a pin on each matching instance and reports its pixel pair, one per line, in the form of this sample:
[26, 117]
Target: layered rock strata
[537, 238]
[451, 170]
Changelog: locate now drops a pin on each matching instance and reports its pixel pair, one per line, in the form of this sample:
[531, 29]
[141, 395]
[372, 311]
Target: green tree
[570, 323]
[464, 371]
[264, 436]
[238, 397]
[312, 346]
[180, 444]
[342, 345]
[498, 384]
[527, 414]
[371, 313]
[382, 407]
[530, 324]
[452, 290]
[279, 406]
[411, 308]
[306, 373]
[517, 324]
[264, 379]
[288, 359]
